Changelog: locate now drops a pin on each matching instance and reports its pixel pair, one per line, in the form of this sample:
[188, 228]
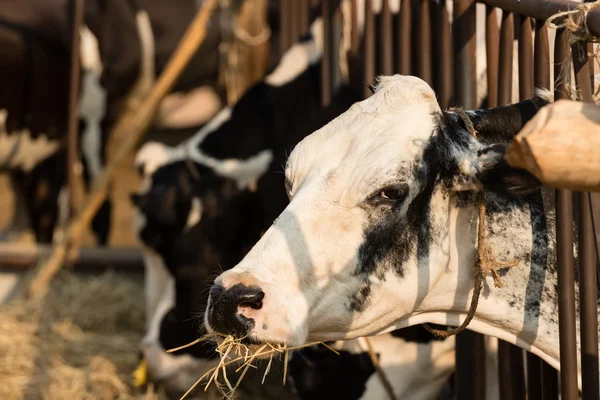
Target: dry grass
[80, 343]
[238, 358]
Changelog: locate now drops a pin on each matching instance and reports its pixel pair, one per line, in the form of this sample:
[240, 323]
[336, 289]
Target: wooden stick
[561, 146]
[135, 126]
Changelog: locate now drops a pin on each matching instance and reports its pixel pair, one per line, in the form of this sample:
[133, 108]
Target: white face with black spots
[375, 235]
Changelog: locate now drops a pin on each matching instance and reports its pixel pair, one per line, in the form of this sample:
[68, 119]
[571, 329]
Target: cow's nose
[230, 311]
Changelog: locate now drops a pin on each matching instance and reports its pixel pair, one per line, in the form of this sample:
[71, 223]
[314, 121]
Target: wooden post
[135, 125]
[560, 146]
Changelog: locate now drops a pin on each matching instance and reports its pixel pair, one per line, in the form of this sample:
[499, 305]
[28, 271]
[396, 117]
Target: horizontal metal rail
[21, 257]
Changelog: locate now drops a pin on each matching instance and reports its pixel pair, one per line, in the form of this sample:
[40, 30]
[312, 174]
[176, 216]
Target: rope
[484, 262]
[575, 21]
[380, 373]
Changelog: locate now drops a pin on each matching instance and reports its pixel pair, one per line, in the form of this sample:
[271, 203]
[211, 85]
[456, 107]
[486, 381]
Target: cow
[380, 231]
[204, 203]
[124, 45]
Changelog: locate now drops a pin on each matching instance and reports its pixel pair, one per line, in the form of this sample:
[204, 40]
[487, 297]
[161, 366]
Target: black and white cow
[206, 202]
[380, 232]
[124, 45]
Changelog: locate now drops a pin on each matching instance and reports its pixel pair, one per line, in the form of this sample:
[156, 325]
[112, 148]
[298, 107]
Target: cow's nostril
[252, 300]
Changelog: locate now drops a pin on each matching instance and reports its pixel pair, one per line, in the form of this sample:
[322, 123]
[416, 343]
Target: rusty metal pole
[444, 64]
[354, 33]
[73, 113]
[403, 43]
[564, 251]
[507, 35]
[526, 85]
[470, 348]
[548, 380]
[588, 289]
[386, 39]
[284, 17]
[326, 63]
[492, 46]
[369, 47]
[424, 43]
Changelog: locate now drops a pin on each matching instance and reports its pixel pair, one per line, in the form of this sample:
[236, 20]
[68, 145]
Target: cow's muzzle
[230, 311]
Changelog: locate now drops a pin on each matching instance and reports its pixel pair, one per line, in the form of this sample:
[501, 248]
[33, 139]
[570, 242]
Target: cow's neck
[525, 310]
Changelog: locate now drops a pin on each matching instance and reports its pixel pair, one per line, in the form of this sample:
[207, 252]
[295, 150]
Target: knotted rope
[484, 262]
[575, 21]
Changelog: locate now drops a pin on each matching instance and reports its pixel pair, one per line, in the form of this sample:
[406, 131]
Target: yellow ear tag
[140, 375]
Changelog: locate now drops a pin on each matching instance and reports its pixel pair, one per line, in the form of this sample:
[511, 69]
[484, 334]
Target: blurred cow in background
[125, 44]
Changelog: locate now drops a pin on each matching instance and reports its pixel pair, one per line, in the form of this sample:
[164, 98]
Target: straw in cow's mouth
[241, 351]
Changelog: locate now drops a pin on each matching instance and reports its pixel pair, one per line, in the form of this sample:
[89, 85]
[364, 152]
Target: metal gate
[421, 41]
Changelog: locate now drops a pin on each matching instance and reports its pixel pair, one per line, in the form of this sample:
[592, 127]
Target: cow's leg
[41, 188]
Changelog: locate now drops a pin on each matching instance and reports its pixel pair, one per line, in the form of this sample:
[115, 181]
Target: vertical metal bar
[463, 32]
[284, 38]
[507, 36]
[443, 69]
[526, 85]
[424, 43]
[385, 36]
[510, 371]
[549, 382]
[369, 47]
[534, 377]
[470, 349]
[403, 42]
[304, 11]
[295, 20]
[588, 289]
[564, 251]
[73, 113]
[541, 65]
[541, 56]
[354, 35]
[335, 40]
[525, 59]
[492, 47]
[326, 63]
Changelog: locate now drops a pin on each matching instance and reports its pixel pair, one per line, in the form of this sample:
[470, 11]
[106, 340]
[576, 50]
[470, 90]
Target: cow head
[371, 226]
[188, 216]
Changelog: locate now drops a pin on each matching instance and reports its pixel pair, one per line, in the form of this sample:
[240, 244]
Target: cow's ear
[488, 170]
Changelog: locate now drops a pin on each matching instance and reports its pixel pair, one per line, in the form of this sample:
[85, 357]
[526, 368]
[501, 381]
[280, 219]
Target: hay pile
[80, 343]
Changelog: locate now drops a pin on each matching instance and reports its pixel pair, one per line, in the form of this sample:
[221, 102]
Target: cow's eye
[392, 193]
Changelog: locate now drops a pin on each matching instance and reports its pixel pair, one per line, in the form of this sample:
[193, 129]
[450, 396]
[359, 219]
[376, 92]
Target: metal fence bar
[326, 63]
[492, 48]
[386, 39]
[541, 62]
[354, 33]
[564, 250]
[369, 47]
[294, 20]
[403, 43]
[507, 36]
[526, 85]
[444, 63]
[73, 112]
[588, 289]
[18, 257]
[470, 348]
[541, 65]
[284, 17]
[423, 50]
[304, 11]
